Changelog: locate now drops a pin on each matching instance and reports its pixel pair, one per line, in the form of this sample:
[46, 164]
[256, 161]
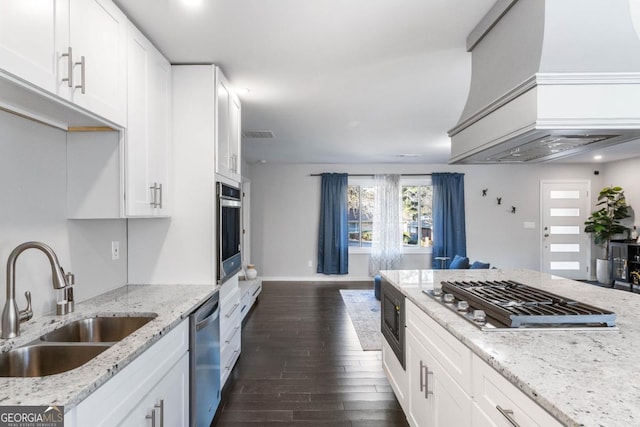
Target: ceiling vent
[258, 134]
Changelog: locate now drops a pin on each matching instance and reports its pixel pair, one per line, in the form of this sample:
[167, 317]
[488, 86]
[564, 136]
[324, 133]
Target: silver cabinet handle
[232, 357]
[256, 291]
[69, 78]
[153, 195]
[421, 376]
[161, 407]
[235, 331]
[507, 413]
[82, 86]
[160, 195]
[232, 310]
[152, 417]
[427, 392]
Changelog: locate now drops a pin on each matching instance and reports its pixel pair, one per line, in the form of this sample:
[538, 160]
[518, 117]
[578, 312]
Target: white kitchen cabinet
[397, 376]
[161, 373]
[435, 399]
[98, 38]
[230, 327]
[31, 35]
[228, 116]
[148, 133]
[439, 373]
[249, 292]
[75, 49]
[499, 403]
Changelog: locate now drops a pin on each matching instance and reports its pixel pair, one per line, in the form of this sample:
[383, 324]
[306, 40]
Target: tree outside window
[416, 215]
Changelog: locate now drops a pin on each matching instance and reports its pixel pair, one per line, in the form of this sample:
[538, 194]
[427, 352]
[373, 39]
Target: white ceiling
[357, 81]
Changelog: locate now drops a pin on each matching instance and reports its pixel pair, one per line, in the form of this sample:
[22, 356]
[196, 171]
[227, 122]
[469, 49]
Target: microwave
[229, 231]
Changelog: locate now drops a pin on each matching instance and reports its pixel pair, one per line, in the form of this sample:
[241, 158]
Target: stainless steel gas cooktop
[502, 305]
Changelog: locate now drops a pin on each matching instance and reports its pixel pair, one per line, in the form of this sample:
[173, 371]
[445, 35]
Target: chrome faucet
[11, 317]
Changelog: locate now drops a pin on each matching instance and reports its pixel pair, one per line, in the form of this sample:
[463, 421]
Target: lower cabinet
[445, 384]
[249, 292]
[435, 397]
[230, 327]
[155, 386]
[497, 402]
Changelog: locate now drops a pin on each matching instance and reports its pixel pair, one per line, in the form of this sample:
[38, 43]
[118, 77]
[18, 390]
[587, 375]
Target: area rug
[364, 311]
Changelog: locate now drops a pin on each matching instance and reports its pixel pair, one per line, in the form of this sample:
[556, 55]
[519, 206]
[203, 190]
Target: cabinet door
[30, 33]
[147, 138]
[435, 399]
[222, 125]
[98, 32]
[234, 137]
[167, 402]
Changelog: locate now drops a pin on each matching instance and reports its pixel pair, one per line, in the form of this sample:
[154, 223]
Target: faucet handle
[71, 278]
[27, 313]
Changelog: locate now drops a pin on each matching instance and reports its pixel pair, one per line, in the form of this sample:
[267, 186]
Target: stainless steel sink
[45, 359]
[97, 329]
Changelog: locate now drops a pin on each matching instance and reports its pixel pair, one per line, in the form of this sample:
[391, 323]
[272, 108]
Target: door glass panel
[564, 212]
[565, 265]
[564, 229]
[562, 247]
[564, 194]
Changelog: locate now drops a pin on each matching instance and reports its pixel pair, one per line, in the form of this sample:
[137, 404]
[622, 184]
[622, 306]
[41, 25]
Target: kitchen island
[171, 303]
[580, 377]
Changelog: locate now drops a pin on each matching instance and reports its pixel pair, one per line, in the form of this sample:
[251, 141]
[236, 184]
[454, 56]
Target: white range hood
[550, 78]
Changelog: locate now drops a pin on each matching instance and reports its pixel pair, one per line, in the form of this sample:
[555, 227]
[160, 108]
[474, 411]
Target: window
[416, 195]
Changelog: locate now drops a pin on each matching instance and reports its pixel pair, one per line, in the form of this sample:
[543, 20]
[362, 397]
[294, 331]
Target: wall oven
[229, 227]
[393, 318]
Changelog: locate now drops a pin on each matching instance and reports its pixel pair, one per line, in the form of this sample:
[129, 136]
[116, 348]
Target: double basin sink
[69, 346]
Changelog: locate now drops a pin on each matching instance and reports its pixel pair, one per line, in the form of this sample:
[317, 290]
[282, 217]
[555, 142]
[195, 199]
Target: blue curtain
[449, 235]
[333, 236]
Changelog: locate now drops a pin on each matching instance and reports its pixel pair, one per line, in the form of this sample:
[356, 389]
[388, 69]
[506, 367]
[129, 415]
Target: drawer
[492, 393]
[229, 311]
[229, 287]
[454, 356]
[229, 353]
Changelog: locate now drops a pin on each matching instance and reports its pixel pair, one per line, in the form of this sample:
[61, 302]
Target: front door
[566, 248]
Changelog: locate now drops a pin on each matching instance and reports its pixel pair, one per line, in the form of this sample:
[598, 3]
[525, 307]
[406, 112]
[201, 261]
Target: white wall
[33, 173]
[285, 207]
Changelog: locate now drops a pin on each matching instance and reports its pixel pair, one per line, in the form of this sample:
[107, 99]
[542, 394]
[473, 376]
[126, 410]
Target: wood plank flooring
[302, 364]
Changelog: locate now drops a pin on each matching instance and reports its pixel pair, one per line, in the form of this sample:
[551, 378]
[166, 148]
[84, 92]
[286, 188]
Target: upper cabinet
[98, 39]
[228, 131]
[148, 134]
[75, 49]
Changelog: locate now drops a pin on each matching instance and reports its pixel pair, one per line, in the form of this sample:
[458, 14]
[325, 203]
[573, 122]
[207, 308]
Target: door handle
[82, 86]
[69, 56]
[161, 407]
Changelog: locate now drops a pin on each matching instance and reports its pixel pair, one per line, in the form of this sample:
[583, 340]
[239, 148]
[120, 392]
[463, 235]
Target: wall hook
[499, 199]
[484, 192]
[513, 209]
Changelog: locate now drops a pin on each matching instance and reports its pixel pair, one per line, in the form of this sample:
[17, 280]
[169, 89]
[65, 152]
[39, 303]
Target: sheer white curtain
[386, 247]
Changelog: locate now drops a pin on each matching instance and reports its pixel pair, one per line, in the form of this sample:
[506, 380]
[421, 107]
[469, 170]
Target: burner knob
[463, 306]
[479, 316]
[449, 298]
[437, 292]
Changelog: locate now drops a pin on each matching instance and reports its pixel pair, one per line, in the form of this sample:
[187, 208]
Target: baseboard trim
[330, 278]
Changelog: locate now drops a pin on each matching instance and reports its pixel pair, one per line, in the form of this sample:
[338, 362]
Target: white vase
[251, 272]
[602, 271]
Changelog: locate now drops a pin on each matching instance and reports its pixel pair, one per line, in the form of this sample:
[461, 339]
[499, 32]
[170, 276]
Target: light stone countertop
[583, 378]
[172, 303]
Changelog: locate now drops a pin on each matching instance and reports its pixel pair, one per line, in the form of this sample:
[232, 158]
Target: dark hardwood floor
[302, 364]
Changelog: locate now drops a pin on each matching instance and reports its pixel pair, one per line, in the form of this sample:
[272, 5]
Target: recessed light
[192, 3]
[597, 157]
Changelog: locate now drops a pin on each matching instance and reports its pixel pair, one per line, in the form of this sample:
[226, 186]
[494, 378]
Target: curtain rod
[373, 174]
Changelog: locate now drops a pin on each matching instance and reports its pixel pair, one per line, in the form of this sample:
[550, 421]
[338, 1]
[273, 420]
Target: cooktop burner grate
[513, 305]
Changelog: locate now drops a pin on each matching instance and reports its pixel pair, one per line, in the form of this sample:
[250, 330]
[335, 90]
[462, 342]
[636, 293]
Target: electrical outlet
[115, 250]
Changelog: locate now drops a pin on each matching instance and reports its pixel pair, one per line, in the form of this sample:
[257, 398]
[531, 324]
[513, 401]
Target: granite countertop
[171, 303]
[583, 378]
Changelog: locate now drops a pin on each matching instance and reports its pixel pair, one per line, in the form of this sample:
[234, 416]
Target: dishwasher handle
[210, 318]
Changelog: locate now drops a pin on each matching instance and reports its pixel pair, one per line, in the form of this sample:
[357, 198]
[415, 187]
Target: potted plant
[605, 223]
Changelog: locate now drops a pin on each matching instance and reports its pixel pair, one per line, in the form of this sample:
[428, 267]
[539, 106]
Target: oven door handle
[226, 203]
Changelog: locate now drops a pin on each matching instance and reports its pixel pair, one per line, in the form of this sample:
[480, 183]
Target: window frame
[404, 182]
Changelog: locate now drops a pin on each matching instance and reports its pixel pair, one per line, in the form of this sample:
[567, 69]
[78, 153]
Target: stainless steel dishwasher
[204, 362]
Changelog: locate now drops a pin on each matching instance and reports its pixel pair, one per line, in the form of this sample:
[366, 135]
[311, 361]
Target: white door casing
[566, 248]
